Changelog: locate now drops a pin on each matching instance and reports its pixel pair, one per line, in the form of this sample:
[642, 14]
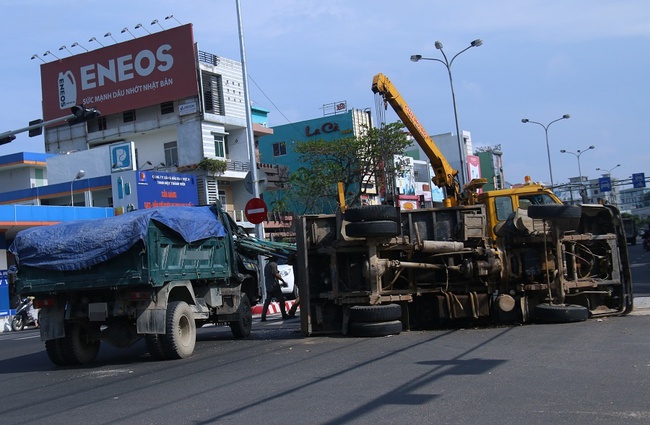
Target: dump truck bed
[152, 248]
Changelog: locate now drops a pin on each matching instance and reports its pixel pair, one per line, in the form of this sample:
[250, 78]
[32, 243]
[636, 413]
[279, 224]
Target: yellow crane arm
[444, 174]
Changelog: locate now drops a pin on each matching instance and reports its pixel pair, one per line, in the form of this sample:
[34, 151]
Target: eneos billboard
[146, 71]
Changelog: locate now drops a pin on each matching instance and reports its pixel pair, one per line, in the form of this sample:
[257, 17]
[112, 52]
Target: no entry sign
[256, 210]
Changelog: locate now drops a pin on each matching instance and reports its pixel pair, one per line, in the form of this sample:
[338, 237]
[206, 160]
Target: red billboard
[145, 71]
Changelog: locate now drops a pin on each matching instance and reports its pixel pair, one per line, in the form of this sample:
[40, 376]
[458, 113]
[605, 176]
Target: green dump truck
[156, 274]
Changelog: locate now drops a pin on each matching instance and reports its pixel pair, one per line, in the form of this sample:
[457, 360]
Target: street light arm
[456, 55]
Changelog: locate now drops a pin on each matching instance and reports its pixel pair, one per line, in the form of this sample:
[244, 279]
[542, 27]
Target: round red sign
[256, 210]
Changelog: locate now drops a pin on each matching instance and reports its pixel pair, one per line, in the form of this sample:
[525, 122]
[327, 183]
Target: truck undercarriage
[550, 263]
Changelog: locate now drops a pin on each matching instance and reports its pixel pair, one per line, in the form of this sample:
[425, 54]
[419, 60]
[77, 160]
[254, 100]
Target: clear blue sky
[540, 59]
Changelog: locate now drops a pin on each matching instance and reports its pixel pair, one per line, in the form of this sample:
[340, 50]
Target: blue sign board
[605, 184]
[638, 180]
[122, 156]
[156, 189]
[4, 294]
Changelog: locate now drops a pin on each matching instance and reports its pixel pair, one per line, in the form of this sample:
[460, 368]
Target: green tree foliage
[352, 161]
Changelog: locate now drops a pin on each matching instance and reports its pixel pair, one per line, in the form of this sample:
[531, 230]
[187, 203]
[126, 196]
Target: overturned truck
[376, 270]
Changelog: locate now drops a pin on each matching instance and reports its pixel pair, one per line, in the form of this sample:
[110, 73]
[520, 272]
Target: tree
[353, 161]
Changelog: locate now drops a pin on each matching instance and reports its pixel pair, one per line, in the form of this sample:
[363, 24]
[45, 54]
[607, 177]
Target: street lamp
[79, 175]
[548, 149]
[577, 155]
[609, 171]
[447, 63]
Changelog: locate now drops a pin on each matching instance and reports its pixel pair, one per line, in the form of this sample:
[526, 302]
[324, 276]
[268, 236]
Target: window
[101, 123]
[171, 154]
[503, 206]
[212, 93]
[222, 197]
[128, 116]
[166, 108]
[219, 145]
[279, 149]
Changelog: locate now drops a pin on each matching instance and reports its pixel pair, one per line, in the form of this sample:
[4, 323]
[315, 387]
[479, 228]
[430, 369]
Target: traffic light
[7, 139]
[36, 131]
[82, 114]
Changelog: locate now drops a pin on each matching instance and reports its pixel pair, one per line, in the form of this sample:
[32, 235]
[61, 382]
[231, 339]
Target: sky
[540, 59]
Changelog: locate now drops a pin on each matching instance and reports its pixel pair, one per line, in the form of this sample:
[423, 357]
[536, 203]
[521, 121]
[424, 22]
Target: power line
[274, 105]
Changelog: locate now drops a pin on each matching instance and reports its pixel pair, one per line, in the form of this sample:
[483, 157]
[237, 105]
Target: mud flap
[151, 321]
[50, 321]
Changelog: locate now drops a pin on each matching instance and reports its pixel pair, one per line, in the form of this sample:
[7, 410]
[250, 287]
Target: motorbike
[25, 316]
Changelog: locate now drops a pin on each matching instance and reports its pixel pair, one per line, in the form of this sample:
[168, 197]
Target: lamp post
[79, 175]
[609, 171]
[548, 149]
[577, 154]
[447, 63]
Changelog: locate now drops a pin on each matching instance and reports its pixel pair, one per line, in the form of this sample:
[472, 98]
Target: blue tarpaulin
[83, 243]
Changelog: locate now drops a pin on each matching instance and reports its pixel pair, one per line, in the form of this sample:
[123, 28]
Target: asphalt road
[593, 372]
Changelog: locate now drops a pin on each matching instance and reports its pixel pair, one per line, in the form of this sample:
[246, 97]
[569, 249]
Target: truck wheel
[375, 313]
[379, 228]
[78, 347]
[363, 329]
[241, 328]
[54, 350]
[561, 313]
[155, 346]
[18, 322]
[180, 335]
[371, 213]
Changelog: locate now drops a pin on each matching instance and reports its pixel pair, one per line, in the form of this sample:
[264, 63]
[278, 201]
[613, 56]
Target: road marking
[27, 337]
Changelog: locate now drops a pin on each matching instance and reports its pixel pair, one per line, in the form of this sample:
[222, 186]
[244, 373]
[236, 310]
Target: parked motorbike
[25, 315]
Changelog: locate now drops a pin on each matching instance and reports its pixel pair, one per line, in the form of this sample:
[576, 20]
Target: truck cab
[499, 204]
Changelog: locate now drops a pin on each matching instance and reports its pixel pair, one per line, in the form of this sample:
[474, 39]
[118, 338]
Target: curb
[274, 307]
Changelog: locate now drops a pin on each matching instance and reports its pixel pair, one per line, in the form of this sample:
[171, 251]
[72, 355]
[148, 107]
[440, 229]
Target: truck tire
[180, 331]
[561, 313]
[367, 229]
[241, 328]
[370, 329]
[375, 313]
[371, 213]
[155, 346]
[78, 347]
[54, 350]
[566, 217]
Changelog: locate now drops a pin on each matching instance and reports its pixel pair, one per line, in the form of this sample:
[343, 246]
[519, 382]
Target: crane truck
[502, 256]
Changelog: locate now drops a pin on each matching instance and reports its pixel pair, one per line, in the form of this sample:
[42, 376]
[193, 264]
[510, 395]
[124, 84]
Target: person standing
[272, 279]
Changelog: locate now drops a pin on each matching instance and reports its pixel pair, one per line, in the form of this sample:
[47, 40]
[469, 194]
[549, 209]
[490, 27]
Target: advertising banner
[133, 74]
[157, 189]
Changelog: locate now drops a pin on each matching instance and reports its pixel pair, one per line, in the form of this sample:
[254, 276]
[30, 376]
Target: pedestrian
[272, 279]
